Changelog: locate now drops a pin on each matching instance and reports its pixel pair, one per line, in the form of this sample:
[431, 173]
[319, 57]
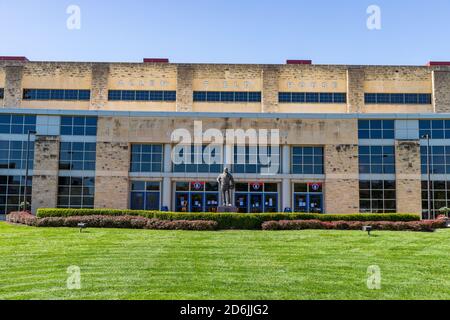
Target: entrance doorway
[308, 197]
[256, 197]
[196, 196]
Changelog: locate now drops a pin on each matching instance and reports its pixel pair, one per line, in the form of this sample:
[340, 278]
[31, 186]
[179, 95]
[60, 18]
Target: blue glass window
[2, 93]
[77, 156]
[199, 159]
[141, 95]
[312, 97]
[145, 195]
[146, 158]
[435, 129]
[78, 126]
[11, 193]
[377, 196]
[13, 155]
[376, 159]
[76, 192]
[307, 160]
[17, 124]
[56, 94]
[376, 129]
[397, 98]
[226, 96]
[256, 159]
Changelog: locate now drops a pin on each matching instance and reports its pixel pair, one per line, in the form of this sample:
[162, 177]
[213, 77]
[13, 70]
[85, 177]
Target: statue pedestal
[227, 209]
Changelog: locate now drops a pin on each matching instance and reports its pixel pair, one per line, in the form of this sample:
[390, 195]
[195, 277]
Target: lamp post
[427, 137]
[25, 202]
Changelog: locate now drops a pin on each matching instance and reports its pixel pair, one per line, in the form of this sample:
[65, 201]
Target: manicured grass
[144, 264]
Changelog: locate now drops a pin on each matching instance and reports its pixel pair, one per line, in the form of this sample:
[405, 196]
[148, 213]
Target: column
[167, 183]
[341, 178]
[270, 77]
[408, 176]
[45, 172]
[286, 183]
[99, 85]
[355, 89]
[13, 86]
[185, 95]
[441, 91]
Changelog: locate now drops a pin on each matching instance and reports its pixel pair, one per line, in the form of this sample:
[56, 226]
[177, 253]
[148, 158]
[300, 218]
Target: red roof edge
[298, 61]
[156, 60]
[438, 63]
[13, 58]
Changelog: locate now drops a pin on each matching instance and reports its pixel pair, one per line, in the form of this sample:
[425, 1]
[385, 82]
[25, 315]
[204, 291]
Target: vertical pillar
[441, 91]
[270, 91]
[112, 163]
[286, 183]
[45, 172]
[167, 183]
[355, 89]
[185, 95]
[408, 176]
[341, 179]
[13, 86]
[99, 85]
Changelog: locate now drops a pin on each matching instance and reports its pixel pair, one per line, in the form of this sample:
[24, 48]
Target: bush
[229, 220]
[21, 217]
[105, 221]
[197, 225]
[426, 225]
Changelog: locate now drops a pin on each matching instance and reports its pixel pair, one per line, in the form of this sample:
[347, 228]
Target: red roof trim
[299, 62]
[156, 60]
[12, 58]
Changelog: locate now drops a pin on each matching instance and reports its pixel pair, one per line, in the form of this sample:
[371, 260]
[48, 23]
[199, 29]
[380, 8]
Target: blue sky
[228, 31]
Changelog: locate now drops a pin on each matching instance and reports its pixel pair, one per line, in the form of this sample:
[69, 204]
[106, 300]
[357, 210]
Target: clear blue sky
[222, 31]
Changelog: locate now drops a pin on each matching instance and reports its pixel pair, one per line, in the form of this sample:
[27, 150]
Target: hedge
[105, 221]
[424, 226]
[228, 220]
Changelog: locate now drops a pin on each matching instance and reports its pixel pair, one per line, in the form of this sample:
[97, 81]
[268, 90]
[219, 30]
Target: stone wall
[99, 86]
[441, 90]
[408, 176]
[13, 86]
[184, 88]
[45, 173]
[355, 90]
[341, 178]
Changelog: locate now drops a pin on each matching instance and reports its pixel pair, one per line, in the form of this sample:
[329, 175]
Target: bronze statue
[226, 184]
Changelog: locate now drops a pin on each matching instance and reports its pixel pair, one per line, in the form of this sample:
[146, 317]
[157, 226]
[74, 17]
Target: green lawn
[144, 264]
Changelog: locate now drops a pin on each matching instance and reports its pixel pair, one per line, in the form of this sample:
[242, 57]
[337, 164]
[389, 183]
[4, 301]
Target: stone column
[408, 176]
[112, 163]
[355, 89]
[45, 172]
[99, 86]
[286, 184]
[441, 91]
[185, 94]
[341, 178]
[13, 86]
[270, 91]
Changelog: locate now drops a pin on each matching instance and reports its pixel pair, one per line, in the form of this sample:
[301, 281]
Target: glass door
[242, 202]
[270, 202]
[256, 203]
[211, 202]
[182, 202]
[300, 203]
[196, 202]
[315, 203]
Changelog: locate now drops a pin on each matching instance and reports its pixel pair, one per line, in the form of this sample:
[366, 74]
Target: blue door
[256, 203]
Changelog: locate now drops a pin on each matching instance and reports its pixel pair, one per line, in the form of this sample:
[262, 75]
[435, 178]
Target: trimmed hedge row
[245, 221]
[424, 226]
[105, 221]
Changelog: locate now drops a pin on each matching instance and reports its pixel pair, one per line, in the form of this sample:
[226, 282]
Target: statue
[226, 184]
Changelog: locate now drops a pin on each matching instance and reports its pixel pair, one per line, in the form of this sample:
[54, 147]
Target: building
[352, 138]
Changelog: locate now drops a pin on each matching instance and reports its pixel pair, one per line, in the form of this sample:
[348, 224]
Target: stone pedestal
[227, 209]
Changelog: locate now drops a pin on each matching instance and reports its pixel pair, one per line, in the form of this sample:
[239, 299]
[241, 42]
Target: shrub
[21, 217]
[228, 220]
[426, 225]
[197, 225]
